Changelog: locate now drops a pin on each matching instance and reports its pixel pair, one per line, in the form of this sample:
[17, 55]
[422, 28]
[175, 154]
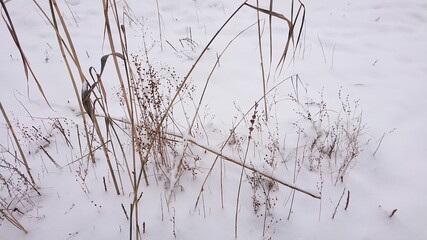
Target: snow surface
[374, 51]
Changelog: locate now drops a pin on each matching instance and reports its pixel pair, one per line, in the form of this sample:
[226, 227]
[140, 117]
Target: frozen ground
[374, 51]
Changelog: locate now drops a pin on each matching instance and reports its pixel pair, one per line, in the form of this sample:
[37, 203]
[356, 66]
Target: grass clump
[159, 135]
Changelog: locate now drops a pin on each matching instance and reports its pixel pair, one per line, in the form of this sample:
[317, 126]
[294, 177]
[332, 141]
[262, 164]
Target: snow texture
[369, 56]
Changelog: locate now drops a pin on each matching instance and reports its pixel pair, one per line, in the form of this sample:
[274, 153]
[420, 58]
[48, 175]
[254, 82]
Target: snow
[373, 51]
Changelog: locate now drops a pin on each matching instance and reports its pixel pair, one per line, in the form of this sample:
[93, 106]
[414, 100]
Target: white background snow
[374, 51]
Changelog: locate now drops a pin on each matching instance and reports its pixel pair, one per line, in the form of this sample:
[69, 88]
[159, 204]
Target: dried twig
[338, 204]
[348, 200]
[393, 212]
[237, 162]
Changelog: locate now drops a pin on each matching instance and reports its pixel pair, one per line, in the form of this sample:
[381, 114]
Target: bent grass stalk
[55, 9]
[130, 110]
[231, 159]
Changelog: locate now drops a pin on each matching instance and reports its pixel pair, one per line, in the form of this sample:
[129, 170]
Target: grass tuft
[161, 139]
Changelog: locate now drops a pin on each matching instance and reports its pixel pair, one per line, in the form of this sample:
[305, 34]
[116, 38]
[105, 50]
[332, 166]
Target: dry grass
[149, 145]
[27, 67]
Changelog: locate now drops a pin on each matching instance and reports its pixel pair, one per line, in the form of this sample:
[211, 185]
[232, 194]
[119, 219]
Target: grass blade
[27, 67]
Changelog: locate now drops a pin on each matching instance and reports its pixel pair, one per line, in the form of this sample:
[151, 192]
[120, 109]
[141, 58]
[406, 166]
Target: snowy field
[335, 147]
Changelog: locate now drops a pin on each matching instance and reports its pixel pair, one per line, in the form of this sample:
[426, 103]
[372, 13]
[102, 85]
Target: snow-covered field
[362, 77]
